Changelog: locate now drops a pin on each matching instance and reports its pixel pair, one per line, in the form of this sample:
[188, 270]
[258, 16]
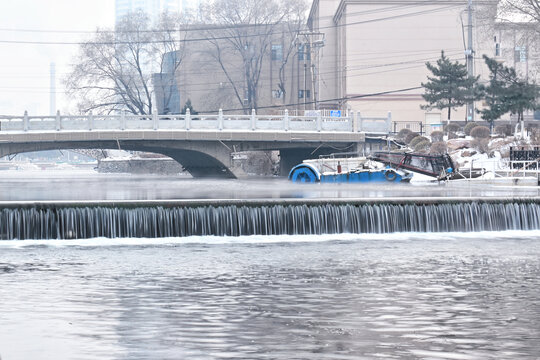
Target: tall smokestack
[53, 89]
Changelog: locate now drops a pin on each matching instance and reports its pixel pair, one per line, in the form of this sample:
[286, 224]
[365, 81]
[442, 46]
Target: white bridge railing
[217, 122]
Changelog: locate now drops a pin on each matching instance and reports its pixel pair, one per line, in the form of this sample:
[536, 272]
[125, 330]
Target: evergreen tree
[450, 87]
[506, 92]
[188, 105]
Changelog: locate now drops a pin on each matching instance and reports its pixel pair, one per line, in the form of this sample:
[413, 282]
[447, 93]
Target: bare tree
[293, 23]
[113, 70]
[515, 26]
[241, 38]
[522, 11]
[169, 48]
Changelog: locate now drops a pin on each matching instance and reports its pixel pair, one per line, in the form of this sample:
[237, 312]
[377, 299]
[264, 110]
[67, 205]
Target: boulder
[468, 153]
[500, 143]
[456, 144]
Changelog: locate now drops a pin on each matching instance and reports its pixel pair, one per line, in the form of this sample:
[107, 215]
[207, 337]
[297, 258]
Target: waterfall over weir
[53, 221]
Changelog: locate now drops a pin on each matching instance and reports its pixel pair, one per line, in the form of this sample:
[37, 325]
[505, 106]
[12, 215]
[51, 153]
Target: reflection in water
[449, 296]
[73, 186]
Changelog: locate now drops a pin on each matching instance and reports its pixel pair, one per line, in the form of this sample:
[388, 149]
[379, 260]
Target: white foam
[272, 239]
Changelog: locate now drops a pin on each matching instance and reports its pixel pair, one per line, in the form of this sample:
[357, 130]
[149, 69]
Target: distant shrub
[480, 132]
[416, 140]
[437, 136]
[452, 135]
[410, 137]
[402, 134]
[505, 130]
[481, 145]
[467, 129]
[452, 128]
[438, 148]
[422, 145]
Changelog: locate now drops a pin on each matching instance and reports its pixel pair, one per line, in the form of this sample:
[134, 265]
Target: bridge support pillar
[58, 121]
[90, 121]
[26, 121]
[220, 119]
[188, 118]
[155, 119]
[200, 159]
[253, 119]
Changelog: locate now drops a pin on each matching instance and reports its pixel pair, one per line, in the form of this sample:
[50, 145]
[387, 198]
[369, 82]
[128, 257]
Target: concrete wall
[140, 166]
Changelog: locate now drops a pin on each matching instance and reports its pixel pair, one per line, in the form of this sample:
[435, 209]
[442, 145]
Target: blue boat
[346, 170]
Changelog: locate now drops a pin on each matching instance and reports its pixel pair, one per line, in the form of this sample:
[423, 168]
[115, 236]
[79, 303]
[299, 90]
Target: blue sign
[335, 113]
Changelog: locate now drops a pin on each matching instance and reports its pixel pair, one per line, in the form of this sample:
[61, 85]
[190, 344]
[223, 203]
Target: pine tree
[506, 92]
[188, 105]
[450, 87]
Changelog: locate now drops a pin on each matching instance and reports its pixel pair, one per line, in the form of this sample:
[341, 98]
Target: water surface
[343, 296]
[42, 186]
[401, 296]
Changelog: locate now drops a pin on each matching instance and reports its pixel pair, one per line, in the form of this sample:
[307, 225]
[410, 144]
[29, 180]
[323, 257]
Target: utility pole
[313, 41]
[469, 54]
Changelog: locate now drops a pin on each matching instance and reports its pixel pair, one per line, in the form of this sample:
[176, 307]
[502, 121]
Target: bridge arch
[200, 160]
[204, 153]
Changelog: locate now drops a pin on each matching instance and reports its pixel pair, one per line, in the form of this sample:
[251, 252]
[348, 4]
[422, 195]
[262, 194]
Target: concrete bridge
[202, 144]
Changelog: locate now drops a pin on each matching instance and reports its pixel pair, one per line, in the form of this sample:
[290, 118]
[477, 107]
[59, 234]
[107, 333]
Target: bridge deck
[172, 134]
[352, 123]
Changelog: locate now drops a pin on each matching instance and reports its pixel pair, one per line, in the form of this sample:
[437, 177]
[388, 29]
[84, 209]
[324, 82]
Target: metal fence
[415, 126]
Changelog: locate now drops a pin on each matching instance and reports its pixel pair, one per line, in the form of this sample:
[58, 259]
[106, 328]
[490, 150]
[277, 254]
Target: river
[342, 296]
[84, 185]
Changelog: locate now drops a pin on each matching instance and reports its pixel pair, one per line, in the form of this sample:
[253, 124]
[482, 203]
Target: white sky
[24, 68]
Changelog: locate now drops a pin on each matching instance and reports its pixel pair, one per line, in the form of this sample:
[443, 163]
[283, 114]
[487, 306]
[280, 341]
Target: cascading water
[235, 220]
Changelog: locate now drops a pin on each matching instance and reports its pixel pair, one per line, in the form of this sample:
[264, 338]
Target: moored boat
[337, 168]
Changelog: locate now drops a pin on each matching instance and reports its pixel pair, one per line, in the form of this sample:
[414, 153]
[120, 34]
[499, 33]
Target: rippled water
[39, 186]
[402, 296]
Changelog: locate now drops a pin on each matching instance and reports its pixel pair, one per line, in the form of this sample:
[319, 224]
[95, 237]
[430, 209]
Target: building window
[277, 52]
[302, 93]
[304, 52]
[520, 54]
[497, 49]
[277, 94]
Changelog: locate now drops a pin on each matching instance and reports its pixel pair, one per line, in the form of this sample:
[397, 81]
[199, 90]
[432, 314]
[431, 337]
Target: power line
[196, 27]
[357, 55]
[21, 42]
[325, 100]
[352, 72]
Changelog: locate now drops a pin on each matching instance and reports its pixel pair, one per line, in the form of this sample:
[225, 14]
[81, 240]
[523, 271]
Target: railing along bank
[216, 122]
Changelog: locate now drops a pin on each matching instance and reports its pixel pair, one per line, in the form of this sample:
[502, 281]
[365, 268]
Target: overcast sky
[24, 68]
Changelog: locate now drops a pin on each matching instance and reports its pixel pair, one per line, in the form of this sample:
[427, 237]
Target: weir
[153, 219]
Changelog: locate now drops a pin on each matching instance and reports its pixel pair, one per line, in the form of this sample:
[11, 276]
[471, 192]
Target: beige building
[366, 56]
[375, 52]
[517, 45]
[212, 74]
